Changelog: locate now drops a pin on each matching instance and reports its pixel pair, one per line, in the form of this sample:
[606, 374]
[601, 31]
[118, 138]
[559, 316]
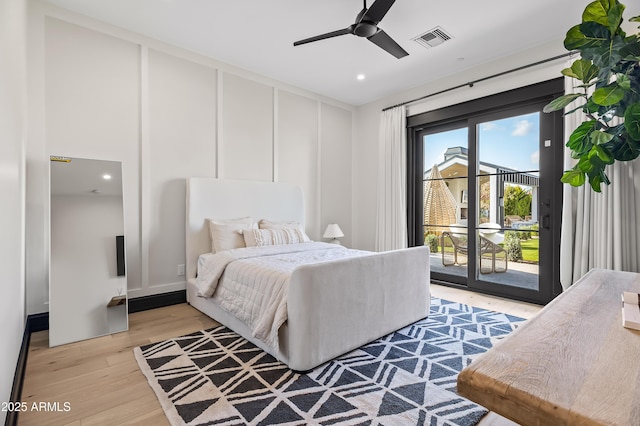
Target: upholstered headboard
[228, 199]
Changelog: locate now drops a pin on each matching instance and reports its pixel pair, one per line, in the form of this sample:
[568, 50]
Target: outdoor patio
[523, 275]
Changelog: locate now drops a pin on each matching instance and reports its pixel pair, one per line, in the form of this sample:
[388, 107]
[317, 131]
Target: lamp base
[335, 241]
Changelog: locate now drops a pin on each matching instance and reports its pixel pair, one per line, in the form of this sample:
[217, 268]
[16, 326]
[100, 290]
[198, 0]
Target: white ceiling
[258, 35]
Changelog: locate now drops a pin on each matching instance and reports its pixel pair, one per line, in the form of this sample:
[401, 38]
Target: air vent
[432, 38]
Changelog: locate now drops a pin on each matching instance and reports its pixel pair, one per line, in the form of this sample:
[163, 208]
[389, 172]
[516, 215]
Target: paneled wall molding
[219, 129]
[40, 9]
[275, 136]
[194, 116]
[319, 229]
[145, 167]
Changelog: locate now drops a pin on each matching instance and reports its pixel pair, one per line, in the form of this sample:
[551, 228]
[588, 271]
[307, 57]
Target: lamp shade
[333, 231]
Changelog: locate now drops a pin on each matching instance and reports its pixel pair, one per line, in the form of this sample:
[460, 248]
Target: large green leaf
[597, 179]
[605, 55]
[582, 70]
[586, 35]
[625, 148]
[632, 121]
[630, 98]
[569, 72]
[579, 140]
[604, 12]
[604, 154]
[632, 49]
[598, 137]
[561, 102]
[596, 172]
[584, 163]
[597, 11]
[594, 159]
[595, 34]
[615, 17]
[608, 95]
[574, 177]
[574, 38]
[623, 81]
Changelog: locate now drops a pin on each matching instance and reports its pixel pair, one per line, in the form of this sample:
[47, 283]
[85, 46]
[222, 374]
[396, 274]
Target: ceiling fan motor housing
[365, 29]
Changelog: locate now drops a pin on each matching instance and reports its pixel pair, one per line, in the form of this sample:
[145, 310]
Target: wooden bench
[573, 363]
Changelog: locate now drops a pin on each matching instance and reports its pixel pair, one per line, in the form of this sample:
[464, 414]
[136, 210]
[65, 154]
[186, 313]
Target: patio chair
[459, 244]
[493, 258]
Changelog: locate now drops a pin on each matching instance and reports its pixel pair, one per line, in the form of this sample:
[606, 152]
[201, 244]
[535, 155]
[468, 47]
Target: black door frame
[467, 114]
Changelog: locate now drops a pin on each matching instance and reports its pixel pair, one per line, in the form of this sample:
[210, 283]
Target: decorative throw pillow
[266, 224]
[271, 237]
[226, 234]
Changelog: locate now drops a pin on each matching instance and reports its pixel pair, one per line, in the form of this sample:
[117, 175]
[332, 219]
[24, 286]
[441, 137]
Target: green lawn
[530, 250]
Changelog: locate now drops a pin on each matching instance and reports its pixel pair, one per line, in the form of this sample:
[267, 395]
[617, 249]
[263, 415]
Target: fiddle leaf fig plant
[608, 92]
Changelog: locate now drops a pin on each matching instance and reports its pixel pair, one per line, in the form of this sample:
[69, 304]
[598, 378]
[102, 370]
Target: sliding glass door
[490, 200]
[446, 199]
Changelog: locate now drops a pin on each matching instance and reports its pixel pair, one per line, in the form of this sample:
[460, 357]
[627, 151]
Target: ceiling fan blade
[324, 36]
[377, 10]
[382, 39]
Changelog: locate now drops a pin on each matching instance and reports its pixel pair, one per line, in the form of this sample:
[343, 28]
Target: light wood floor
[101, 382]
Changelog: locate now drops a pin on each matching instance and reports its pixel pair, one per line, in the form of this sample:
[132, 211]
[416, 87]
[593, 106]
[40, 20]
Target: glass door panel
[507, 182]
[446, 202]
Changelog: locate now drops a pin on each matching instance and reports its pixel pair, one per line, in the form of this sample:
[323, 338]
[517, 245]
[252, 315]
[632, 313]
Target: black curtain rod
[471, 83]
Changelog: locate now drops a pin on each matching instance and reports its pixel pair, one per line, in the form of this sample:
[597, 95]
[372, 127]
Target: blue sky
[510, 142]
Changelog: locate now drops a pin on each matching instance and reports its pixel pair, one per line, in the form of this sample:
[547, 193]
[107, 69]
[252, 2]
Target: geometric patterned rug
[216, 377]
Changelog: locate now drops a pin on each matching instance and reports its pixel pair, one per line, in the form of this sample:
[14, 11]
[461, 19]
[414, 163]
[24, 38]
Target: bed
[332, 307]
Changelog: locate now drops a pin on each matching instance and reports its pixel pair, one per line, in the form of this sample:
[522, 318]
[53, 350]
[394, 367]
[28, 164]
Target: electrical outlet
[181, 271]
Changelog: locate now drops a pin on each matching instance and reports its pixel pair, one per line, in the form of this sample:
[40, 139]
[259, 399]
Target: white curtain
[599, 230]
[392, 180]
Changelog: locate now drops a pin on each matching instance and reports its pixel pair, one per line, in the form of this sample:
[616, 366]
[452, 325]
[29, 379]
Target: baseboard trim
[35, 322]
[40, 322]
[154, 301]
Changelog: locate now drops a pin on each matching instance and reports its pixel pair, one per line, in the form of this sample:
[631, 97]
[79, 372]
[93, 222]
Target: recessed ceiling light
[460, 59]
[360, 77]
[106, 177]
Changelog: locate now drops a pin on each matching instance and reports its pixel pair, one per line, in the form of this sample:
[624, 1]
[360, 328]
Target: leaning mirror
[87, 282]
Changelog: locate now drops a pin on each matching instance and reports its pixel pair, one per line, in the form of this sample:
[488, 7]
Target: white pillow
[267, 224]
[226, 234]
[271, 237]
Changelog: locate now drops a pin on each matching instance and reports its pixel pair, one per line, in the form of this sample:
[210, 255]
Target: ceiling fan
[366, 25]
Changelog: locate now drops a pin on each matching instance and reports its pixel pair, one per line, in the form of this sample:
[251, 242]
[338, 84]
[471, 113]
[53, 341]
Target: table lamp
[334, 232]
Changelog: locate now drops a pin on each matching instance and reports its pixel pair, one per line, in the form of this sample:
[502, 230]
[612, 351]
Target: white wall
[176, 148]
[12, 138]
[336, 130]
[97, 91]
[366, 119]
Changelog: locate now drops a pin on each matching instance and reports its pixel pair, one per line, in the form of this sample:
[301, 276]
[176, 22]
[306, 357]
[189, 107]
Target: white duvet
[252, 283]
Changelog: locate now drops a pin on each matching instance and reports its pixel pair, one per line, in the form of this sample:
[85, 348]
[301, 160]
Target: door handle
[546, 221]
